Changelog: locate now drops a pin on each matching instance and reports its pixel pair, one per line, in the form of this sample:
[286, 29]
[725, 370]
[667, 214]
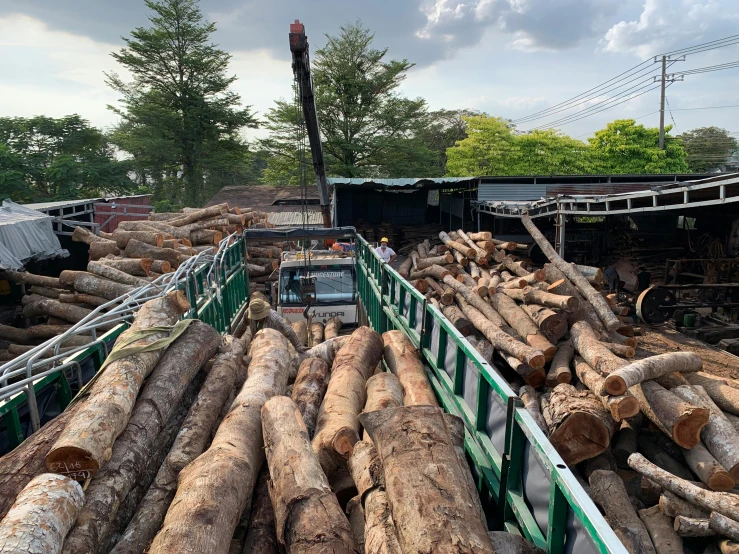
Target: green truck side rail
[524, 483]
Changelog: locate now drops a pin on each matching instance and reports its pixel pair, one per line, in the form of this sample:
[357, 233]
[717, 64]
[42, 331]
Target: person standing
[613, 278]
[386, 253]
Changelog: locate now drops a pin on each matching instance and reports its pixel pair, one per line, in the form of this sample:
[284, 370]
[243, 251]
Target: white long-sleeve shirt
[385, 254]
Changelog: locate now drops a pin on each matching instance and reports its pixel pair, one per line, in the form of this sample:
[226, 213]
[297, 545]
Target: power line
[720, 67]
[705, 47]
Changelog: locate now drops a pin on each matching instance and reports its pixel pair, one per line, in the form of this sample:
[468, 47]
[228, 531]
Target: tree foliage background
[708, 148]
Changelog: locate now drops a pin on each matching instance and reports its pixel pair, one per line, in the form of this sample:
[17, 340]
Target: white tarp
[26, 235]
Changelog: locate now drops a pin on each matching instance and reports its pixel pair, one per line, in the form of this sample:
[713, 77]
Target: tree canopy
[708, 148]
[45, 159]
[180, 120]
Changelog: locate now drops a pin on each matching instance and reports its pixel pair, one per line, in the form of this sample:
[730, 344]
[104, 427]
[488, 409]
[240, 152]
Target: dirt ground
[659, 340]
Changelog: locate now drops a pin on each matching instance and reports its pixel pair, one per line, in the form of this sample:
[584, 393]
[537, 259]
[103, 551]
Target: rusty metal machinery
[657, 304]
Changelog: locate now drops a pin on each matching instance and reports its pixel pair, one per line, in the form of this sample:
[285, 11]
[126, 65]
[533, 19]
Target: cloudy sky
[509, 58]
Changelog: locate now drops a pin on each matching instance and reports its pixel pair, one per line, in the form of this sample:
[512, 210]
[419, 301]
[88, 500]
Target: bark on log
[206, 236]
[435, 271]
[689, 527]
[214, 490]
[86, 443]
[677, 419]
[623, 378]
[516, 267]
[721, 502]
[83, 234]
[193, 437]
[607, 490]
[405, 363]
[579, 426]
[405, 268]
[100, 249]
[419, 476]
[97, 286]
[160, 396]
[41, 516]
[719, 435]
[621, 350]
[708, 469]
[531, 403]
[308, 517]
[66, 312]
[552, 324]
[457, 318]
[722, 525]
[14, 334]
[261, 536]
[595, 353]
[559, 370]
[721, 391]
[481, 255]
[122, 238]
[463, 249]
[606, 315]
[624, 444]
[523, 324]
[533, 377]
[331, 328]
[45, 291]
[468, 281]
[193, 215]
[316, 333]
[437, 260]
[337, 428]
[138, 249]
[160, 266]
[661, 531]
[355, 513]
[138, 267]
[309, 390]
[672, 506]
[24, 278]
[592, 274]
[655, 454]
[104, 270]
[566, 303]
[383, 391]
[619, 406]
[18, 349]
[482, 235]
[301, 330]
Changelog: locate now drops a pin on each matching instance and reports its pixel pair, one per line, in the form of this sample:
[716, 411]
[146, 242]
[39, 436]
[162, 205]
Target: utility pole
[664, 78]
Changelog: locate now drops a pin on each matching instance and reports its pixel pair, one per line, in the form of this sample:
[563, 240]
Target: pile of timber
[569, 351]
[189, 450]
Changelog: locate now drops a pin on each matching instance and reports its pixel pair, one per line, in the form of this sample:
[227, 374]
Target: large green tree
[42, 158]
[367, 127]
[708, 148]
[179, 113]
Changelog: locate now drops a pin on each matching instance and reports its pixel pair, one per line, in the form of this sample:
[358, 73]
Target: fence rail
[529, 489]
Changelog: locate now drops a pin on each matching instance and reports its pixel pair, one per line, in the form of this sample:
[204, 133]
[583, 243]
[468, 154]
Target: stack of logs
[260, 450]
[135, 254]
[655, 436]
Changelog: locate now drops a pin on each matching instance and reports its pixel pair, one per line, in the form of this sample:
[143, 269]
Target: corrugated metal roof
[510, 192]
[61, 204]
[399, 182]
[294, 219]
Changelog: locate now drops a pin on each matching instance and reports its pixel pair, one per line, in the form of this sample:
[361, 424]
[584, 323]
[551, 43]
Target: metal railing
[529, 489]
[215, 284]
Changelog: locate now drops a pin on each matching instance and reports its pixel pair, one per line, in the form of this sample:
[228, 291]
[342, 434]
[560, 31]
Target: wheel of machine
[653, 305]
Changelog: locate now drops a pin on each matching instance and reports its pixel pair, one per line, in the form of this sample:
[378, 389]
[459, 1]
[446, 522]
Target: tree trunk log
[138, 267]
[47, 331]
[623, 378]
[522, 323]
[206, 236]
[66, 312]
[720, 436]
[261, 536]
[437, 260]
[672, 506]
[624, 443]
[722, 525]
[661, 531]
[301, 330]
[214, 490]
[589, 347]
[308, 517]
[457, 318]
[160, 266]
[14, 334]
[41, 516]
[331, 328]
[316, 332]
[482, 235]
[550, 323]
[405, 363]
[100, 249]
[104, 270]
[689, 527]
[463, 249]
[355, 513]
[533, 377]
[559, 370]
[98, 286]
[383, 391]
[677, 419]
[566, 303]
[435, 271]
[138, 249]
[83, 234]
[405, 268]
[607, 490]
[337, 428]
[531, 402]
[414, 443]
[720, 391]
[661, 458]
[606, 315]
[23, 278]
[708, 469]
[619, 406]
[579, 426]
[45, 291]
[561, 285]
[193, 215]
[86, 443]
[191, 441]
[122, 238]
[309, 390]
[621, 350]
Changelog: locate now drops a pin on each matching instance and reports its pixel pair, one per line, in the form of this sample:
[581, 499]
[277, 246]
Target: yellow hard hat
[384, 239]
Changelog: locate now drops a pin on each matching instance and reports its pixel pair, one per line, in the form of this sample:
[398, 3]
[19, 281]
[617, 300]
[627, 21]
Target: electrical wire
[707, 69]
[670, 110]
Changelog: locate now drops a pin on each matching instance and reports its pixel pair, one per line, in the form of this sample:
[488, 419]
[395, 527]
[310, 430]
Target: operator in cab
[386, 253]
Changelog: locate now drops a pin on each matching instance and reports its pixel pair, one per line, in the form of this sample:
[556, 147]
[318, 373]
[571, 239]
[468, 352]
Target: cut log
[85, 444]
[595, 353]
[719, 435]
[463, 249]
[422, 469]
[331, 328]
[316, 333]
[531, 403]
[100, 249]
[160, 396]
[309, 390]
[405, 363]
[677, 419]
[625, 441]
[658, 456]
[139, 267]
[457, 318]
[160, 266]
[559, 370]
[621, 350]
[437, 260]
[726, 546]
[607, 490]
[523, 324]
[725, 503]
[261, 536]
[138, 249]
[105, 270]
[579, 426]
[566, 303]
[468, 281]
[41, 516]
[45, 291]
[435, 271]
[661, 531]
[689, 527]
[214, 490]
[192, 439]
[533, 377]
[36, 332]
[66, 312]
[301, 330]
[708, 469]
[481, 255]
[18, 349]
[482, 235]
[618, 381]
[98, 286]
[206, 236]
[724, 526]
[606, 315]
[552, 324]
[23, 278]
[562, 286]
[500, 340]
[337, 428]
[405, 268]
[308, 517]
[672, 506]
[383, 391]
[619, 406]
[83, 234]
[721, 392]
[355, 513]
[122, 238]
[14, 334]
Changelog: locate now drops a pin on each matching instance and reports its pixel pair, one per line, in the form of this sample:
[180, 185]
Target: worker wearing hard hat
[386, 253]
